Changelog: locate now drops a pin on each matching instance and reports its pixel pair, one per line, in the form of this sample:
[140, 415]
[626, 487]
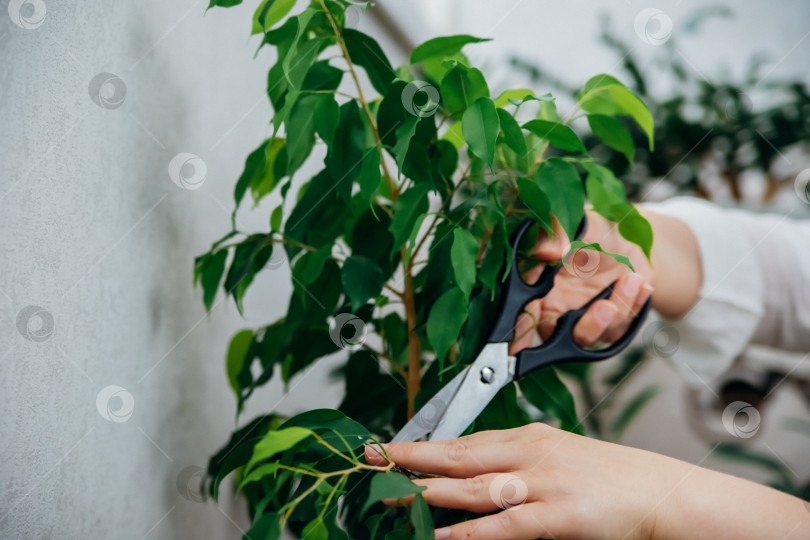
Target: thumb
[555, 247]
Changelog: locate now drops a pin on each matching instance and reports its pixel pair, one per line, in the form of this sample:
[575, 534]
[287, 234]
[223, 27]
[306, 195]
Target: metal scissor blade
[491, 371]
[431, 413]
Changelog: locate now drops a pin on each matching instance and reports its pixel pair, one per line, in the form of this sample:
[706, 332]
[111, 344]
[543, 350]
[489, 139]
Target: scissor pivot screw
[487, 374]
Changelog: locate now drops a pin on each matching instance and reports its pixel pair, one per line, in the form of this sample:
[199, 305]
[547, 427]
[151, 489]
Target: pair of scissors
[450, 412]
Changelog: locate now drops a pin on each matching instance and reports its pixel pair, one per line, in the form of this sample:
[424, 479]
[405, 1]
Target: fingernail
[604, 313]
[373, 450]
[646, 292]
[444, 532]
[631, 285]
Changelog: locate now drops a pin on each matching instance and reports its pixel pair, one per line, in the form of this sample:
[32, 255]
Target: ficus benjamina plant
[397, 248]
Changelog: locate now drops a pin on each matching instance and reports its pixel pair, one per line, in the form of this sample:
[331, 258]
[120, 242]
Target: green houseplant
[396, 248]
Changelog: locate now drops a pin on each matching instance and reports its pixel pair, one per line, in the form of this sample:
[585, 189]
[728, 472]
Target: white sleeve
[756, 285]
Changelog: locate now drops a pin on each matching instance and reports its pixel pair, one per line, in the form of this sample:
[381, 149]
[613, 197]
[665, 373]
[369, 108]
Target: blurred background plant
[711, 139]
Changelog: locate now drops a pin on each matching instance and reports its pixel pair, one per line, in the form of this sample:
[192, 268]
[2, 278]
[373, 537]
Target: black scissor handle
[560, 347]
[517, 293]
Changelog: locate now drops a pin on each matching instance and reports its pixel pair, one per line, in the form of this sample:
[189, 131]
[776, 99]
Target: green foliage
[402, 233]
[701, 119]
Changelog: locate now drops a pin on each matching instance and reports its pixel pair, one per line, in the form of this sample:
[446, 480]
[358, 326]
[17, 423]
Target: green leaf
[391, 485]
[631, 410]
[258, 473]
[367, 53]
[595, 246]
[266, 527]
[326, 118]
[269, 13]
[537, 201]
[259, 173]
[480, 126]
[208, 271]
[275, 218]
[369, 178]
[444, 323]
[442, 47]
[613, 134]
[421, 519]
[300, 128]
[546, 391]
[292, 59]
[224, 3]
[362, 279]
[249, 257]
[236, 358]
[463, 255]
[309, 265]
[558, 134]
[277, 441]
[548, 111]
[512, 134]
[494, 258]
[608, 198]
[560, 181]
[315, 530]
[605, 95]
[404, 133]
[333, 426]
[510, 96]
[410, 205]
[635, 228]
[605, 191]
[345, 157]
[462, 86]
[454, 135]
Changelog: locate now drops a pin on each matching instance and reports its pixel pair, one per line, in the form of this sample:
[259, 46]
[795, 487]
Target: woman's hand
[548, 483]
[675, 274]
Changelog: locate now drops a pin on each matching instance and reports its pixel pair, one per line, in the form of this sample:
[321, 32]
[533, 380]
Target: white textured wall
[94, 233]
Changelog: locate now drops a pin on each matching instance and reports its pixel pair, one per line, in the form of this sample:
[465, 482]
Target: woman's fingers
[472, 455]
[523, 522]
[479, 494]
[608, 320]
[525, 326]
[554, 248]
[456, 459]
[594, 322]
[629, 294]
